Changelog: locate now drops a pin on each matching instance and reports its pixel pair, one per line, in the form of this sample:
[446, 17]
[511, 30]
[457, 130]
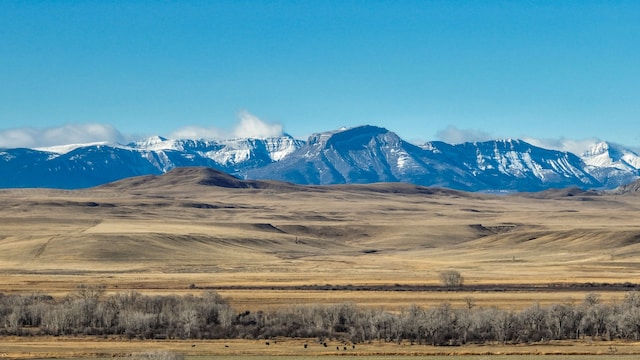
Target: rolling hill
[198, 224]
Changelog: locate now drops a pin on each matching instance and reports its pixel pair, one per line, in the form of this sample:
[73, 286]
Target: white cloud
[453, 135]
[251, 126]
[248, 126]
[62, 135]
[577, 147]
[197, 132]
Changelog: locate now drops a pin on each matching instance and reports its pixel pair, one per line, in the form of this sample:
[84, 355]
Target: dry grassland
[162, 234]
[23, 348]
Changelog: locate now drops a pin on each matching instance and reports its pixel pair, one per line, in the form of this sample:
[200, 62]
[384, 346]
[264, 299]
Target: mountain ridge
[360, 155]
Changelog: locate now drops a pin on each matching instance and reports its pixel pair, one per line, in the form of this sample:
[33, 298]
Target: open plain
[264, 245]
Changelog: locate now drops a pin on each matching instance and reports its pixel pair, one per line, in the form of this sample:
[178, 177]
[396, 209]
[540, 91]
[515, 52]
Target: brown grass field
[40, 348]
[158, 235]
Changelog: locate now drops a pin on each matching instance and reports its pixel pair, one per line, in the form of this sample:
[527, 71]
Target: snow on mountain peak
[604, 154]
[151, 140]
[357, 154]
[155, 143]
[597, 149]
[235, 151]
[63, 149]
[279, 148]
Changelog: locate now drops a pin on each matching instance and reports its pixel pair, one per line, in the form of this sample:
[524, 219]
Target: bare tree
[592, 299]
[470, 302]
[451, 278]
[504, 325]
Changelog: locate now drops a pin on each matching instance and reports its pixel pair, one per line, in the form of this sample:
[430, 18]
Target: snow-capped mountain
[370, 154]
[515, 164]
[604, 154]
[612, 164]
[363, 154]
[80, 166]
[229, 155]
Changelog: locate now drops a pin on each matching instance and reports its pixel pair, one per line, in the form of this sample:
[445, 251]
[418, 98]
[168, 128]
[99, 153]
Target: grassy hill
[198, 226]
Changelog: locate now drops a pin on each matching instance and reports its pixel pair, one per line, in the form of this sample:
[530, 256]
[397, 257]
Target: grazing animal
[324, 344]
[305, 346]
[194, 345]
[267, 343]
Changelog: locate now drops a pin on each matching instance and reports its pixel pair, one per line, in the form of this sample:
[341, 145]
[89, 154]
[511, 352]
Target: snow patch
[63, 149]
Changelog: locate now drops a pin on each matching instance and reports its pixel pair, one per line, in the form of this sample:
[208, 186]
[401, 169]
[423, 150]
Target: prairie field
[294, 349]
[271, 245]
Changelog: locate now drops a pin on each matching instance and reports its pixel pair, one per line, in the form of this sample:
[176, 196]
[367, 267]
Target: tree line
[89, 311]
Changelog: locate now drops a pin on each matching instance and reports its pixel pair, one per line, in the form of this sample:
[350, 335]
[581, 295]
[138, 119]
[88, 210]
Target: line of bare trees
[89, 311]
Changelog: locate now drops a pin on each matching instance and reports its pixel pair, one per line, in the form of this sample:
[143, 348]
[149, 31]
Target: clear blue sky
[456, 70]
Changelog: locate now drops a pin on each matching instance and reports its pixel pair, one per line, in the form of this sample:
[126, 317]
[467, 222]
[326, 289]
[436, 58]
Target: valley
[172, 227]
[266, 246]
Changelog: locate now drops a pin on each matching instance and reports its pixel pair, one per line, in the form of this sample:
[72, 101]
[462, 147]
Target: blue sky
[556, 71]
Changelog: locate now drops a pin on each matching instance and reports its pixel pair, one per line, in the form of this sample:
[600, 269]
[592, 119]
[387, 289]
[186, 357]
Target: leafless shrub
[210, 317]
[158, 355]
[592, 299]
[451, 278]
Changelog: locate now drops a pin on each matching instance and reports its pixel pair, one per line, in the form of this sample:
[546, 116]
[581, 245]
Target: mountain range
[359, 155]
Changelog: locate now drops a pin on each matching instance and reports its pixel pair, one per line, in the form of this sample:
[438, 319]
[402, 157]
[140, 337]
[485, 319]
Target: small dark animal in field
[194, 345]
[324, 344]
[345, 348]
[305, 346]
[337, 347]
[267, 343]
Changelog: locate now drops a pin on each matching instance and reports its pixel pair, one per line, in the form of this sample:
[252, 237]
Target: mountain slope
[631, 188]
[361, 155]
[515, 164]
[371, 154]
[81, 166]
[612, 164]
